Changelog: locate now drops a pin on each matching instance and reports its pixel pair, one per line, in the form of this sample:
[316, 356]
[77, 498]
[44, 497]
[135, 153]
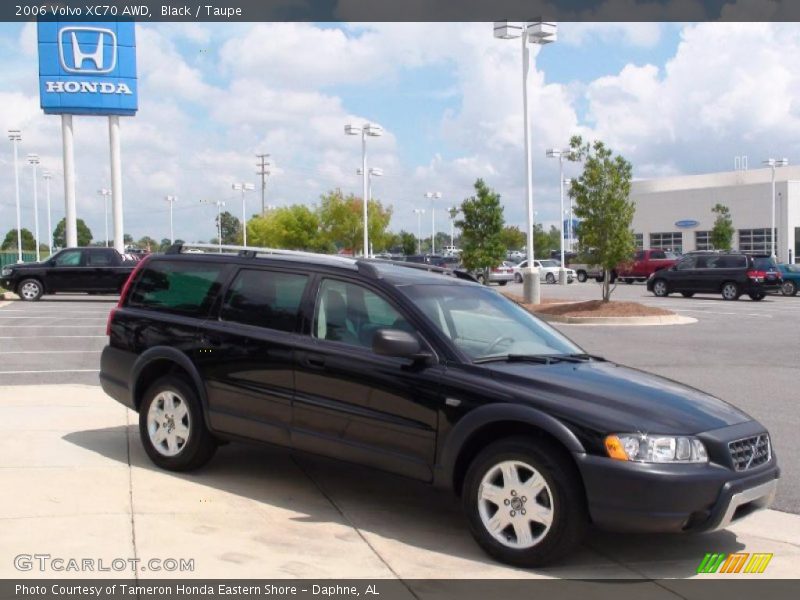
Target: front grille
[750, 452]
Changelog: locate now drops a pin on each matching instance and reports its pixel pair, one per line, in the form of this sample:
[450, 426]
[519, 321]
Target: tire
[172, 401]
[789, 288]
[550, 278]
[628, 281]
[560, 501]
[687, 294]
[517, 277]
[612, 278]
[730, 291]
[660, 288]
[599, 278]
[30, 290]
[481, 279]
[502, 282]
[757, 297]
[582, 276]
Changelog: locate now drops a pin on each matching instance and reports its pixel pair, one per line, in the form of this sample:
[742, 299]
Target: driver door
[65, 272]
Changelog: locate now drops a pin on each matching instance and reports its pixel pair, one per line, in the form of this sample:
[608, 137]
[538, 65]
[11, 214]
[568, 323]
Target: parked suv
[432, 377]
[728, 273]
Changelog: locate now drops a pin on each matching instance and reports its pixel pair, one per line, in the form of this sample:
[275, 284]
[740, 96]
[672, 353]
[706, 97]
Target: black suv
[428, 376]
[728, 273]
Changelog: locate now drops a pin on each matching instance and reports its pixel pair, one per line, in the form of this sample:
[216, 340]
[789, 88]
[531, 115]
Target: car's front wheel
[518, 277]
[172, 427]
[30, 290]
[582, 276]
[660, 288]
[524, 502]
[789, 288]
[550, 278]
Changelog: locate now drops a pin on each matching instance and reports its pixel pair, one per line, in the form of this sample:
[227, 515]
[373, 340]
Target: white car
[548, 271]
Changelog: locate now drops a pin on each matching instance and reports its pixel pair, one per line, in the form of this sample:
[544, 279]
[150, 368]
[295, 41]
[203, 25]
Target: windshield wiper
[543, 359]
[583, 356]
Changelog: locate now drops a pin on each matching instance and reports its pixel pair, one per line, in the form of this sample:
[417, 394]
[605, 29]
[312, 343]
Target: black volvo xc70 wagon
[432, 377]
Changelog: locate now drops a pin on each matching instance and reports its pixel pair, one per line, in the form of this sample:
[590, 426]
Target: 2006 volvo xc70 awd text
[430, 376]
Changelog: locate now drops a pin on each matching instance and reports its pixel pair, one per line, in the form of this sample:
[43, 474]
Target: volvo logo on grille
[753, 451]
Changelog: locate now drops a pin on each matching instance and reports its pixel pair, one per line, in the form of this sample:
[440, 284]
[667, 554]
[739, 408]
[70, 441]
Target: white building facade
[675, 212]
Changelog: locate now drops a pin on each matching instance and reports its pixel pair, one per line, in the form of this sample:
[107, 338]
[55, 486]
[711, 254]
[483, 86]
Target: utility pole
[263, 172]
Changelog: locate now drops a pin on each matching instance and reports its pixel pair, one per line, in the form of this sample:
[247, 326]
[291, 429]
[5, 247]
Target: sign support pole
[116, 182]
[71, 225]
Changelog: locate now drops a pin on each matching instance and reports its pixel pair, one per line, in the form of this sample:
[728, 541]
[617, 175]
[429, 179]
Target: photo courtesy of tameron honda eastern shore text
[420, 371]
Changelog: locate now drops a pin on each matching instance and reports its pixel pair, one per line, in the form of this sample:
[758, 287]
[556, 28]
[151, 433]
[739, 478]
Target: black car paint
[294, 390]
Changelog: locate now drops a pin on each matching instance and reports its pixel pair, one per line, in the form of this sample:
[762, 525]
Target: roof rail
[458, 273]
[253, 251]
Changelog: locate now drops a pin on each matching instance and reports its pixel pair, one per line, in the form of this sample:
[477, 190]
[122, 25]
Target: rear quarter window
[181, 287]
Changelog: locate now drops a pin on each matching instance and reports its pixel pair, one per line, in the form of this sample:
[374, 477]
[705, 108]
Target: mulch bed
[591, 308]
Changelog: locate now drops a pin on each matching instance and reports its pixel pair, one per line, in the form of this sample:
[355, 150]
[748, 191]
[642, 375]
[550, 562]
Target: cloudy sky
[672, 98]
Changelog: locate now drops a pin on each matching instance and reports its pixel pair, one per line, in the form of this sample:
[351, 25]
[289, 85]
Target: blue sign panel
[687, 223]
[87, 68]
[566, 230]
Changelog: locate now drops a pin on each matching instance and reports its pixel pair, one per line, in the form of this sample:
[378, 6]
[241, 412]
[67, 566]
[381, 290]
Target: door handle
[314, 361]
[210, 341]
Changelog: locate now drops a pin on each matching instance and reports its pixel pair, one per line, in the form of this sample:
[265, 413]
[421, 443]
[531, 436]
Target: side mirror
[398, 343]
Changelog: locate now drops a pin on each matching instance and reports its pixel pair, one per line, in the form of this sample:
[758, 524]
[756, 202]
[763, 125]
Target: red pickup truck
[643, 264]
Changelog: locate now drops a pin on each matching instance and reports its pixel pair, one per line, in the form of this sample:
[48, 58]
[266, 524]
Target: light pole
[773, 163]
[105, 193]
[560, 154]
[16, 136]
[244, 188]
[537, 32]
[33, 161]
[419, 212]
[171, 200]
[371, 172]
[219, 204]
[47, 176]
[372, 130]
[568, 182]
[453, 210]
[433, 196]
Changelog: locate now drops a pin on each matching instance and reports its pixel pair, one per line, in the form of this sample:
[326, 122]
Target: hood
[608, 397]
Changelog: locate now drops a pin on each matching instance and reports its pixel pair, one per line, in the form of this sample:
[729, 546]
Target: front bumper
[6, 283]
[638, 497]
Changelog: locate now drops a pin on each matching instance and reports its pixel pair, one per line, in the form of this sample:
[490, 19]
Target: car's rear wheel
[518, 277]
[30, 290]
[730, 291]
[687, 294]
[757, 297]
[524, 502]
[789, 288]
[550, 278]
[660, 288]
[582, 276]
[172, 427]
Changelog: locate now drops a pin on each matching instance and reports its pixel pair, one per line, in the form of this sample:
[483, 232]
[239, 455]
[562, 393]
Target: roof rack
[254, 251]
[458, 273]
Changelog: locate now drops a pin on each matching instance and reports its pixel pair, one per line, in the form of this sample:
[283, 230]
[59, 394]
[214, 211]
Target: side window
[639, 255]
[351, 314]
[98, 258]
[182, 287]
[268, 299]
[69, 258]
[688, 263]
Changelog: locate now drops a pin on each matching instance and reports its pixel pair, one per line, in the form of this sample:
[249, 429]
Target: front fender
[497, 413]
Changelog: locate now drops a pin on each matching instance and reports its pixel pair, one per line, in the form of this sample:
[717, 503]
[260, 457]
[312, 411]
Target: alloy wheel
[660, 288]
[168, 423]
[789, 288]
[29, 290]
[515, 504]
[730, 291]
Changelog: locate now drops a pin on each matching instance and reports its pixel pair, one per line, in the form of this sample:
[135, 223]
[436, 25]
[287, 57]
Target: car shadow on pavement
[389, 506]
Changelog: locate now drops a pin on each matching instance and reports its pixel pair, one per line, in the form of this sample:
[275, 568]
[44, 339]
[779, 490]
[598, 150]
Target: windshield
[482, 323]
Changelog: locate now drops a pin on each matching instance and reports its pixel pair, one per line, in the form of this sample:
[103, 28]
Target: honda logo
[87, 49]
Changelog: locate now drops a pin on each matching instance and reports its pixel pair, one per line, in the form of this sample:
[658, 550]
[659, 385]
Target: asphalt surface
[744, 352]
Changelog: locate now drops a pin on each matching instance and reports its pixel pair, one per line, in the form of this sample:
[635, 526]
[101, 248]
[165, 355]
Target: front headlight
[6, 272]
[639, 447]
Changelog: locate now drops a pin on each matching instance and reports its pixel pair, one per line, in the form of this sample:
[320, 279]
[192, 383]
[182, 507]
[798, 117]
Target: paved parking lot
[76, 461]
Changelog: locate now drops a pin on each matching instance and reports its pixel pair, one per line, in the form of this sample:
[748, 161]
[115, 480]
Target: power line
[263, 172]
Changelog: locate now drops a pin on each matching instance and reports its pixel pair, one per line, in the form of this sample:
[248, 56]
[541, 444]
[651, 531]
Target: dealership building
[675, 212]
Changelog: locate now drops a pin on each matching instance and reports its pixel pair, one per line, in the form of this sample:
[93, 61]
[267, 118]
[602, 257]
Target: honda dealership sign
[87, 68]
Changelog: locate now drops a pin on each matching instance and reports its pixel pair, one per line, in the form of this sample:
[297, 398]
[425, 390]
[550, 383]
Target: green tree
[10, 242]
[231, 228]
[84, 234]
[513, 238]
[127, 239]
[602, 203]
[293, 227]
[408, 243]
[722, 232]
[481, 229]
[341, 221]
[147, 243]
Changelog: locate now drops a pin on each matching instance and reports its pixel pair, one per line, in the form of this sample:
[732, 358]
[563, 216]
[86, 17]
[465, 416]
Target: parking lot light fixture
[419, 212]
[171, 200]
[16, 137]
[244, 188]
[433, 196]
[47, 176]
[105, 193]
[371, 172]
[367, 130]
[220, 204]
[33, 161]
[532, 32]
[560, 154]
[774, 163]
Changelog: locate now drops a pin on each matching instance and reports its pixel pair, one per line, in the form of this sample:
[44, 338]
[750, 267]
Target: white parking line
[42, 337]
[54, 371]
[57, 317]
[54, 351]
[47, 326]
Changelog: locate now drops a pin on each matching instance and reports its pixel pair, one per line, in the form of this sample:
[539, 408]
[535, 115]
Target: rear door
[246, 354]
[353, 404]
[99, 271]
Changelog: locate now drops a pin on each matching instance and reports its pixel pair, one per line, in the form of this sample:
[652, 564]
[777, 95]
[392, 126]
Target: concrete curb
[650, 320]
[9, 296]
